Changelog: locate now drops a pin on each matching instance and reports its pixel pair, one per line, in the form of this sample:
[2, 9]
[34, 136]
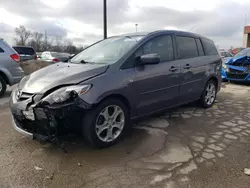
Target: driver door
[157, 85]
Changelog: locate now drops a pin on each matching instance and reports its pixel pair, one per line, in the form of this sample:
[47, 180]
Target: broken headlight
[224, 66]
[66, 93]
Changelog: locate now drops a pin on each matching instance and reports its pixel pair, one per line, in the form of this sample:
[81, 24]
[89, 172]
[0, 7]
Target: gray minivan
[10, 70]
[116, 80]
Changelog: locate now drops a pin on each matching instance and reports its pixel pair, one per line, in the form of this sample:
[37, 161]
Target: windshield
[107, 51]
[245, 52]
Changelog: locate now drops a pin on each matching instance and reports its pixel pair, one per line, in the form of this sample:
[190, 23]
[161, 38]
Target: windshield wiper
[85, 62]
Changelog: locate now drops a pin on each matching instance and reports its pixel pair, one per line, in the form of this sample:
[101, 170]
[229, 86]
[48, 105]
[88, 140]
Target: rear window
[209, 47]
[186, 47]
[24, 50]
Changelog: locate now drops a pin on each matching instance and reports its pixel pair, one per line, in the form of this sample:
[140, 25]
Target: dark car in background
[26, 53]
[116, 80]
[55, 56]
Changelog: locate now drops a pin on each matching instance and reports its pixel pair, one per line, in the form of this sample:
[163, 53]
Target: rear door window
[200, 47]
[1, 50]
[209, 47]
[187, 47]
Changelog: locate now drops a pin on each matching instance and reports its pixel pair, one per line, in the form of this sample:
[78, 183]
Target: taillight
[56, 60]
[15, 57]
[35, 57]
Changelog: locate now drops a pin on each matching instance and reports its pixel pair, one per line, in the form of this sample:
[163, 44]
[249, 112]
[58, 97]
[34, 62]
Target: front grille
[24, 96]
[38, 126]
[235, 75]
[23, 124]
[235, 71]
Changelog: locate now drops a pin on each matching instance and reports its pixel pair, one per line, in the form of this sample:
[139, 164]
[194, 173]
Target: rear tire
[3, 86]
[209, 94]
[100, 125]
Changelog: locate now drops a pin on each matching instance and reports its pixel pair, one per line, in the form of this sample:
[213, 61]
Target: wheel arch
[215, 79]
[5, 77]
[119, 97]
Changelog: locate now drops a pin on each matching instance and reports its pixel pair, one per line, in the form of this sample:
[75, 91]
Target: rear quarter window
[209, 47]
[1, 50]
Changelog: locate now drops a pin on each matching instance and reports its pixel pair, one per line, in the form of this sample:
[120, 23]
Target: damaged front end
[49, 117]
[236, 69]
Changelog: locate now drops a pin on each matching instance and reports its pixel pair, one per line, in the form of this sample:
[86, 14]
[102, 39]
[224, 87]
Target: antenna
[192, 28]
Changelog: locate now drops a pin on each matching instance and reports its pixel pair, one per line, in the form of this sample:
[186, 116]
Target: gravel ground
[187, 147]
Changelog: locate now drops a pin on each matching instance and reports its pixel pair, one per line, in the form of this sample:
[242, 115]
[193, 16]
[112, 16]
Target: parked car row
[28, 53]
[54, 56]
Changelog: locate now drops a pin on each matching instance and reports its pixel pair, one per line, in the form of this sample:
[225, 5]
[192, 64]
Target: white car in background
[54, 56]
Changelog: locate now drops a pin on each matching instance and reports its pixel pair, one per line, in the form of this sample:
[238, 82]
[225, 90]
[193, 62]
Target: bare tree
[67, 46]
[22, 35]
[37, 41]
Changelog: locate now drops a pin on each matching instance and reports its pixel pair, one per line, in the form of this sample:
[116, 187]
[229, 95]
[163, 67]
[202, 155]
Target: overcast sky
[81, 20]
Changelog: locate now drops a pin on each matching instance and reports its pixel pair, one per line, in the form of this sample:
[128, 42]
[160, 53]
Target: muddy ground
[33, 65]
[189, 147]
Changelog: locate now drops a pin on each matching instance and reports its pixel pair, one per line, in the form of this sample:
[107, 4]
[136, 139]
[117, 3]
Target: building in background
[246, 37]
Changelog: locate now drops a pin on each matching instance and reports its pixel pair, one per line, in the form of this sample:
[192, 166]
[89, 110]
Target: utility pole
[244, 35]
[136, 25]
[105, 19]
[45, 40]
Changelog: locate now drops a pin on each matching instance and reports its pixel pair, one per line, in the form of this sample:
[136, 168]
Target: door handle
[173, 69]
[187, 66]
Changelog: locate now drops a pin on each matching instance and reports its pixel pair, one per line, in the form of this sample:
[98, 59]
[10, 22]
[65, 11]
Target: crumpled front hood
[236, 60]
[60, 74]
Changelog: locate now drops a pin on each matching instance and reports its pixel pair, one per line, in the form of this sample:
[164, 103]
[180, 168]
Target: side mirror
[149, 59]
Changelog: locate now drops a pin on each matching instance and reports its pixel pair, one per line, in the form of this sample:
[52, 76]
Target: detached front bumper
[50, 122]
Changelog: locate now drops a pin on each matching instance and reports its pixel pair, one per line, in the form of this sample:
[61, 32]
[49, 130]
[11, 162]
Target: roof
[164, 32]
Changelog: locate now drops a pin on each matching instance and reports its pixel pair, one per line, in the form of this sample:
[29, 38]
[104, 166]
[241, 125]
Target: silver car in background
[10, 70]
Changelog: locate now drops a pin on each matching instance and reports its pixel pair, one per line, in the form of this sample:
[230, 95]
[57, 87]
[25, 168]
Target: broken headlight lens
[66, 93]
[224, 66]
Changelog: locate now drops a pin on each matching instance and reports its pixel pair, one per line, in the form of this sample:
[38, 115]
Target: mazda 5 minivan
[121, 78]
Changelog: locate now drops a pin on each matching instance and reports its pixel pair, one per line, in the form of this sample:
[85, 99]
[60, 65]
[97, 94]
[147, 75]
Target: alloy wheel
[210, 94]
[110, 123]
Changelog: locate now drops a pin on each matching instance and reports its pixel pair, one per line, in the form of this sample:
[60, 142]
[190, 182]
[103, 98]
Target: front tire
[209, 94]
[3, 86]
[106, 124]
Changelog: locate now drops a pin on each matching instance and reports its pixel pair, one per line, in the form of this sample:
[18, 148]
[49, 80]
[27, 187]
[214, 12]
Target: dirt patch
[33, 65]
